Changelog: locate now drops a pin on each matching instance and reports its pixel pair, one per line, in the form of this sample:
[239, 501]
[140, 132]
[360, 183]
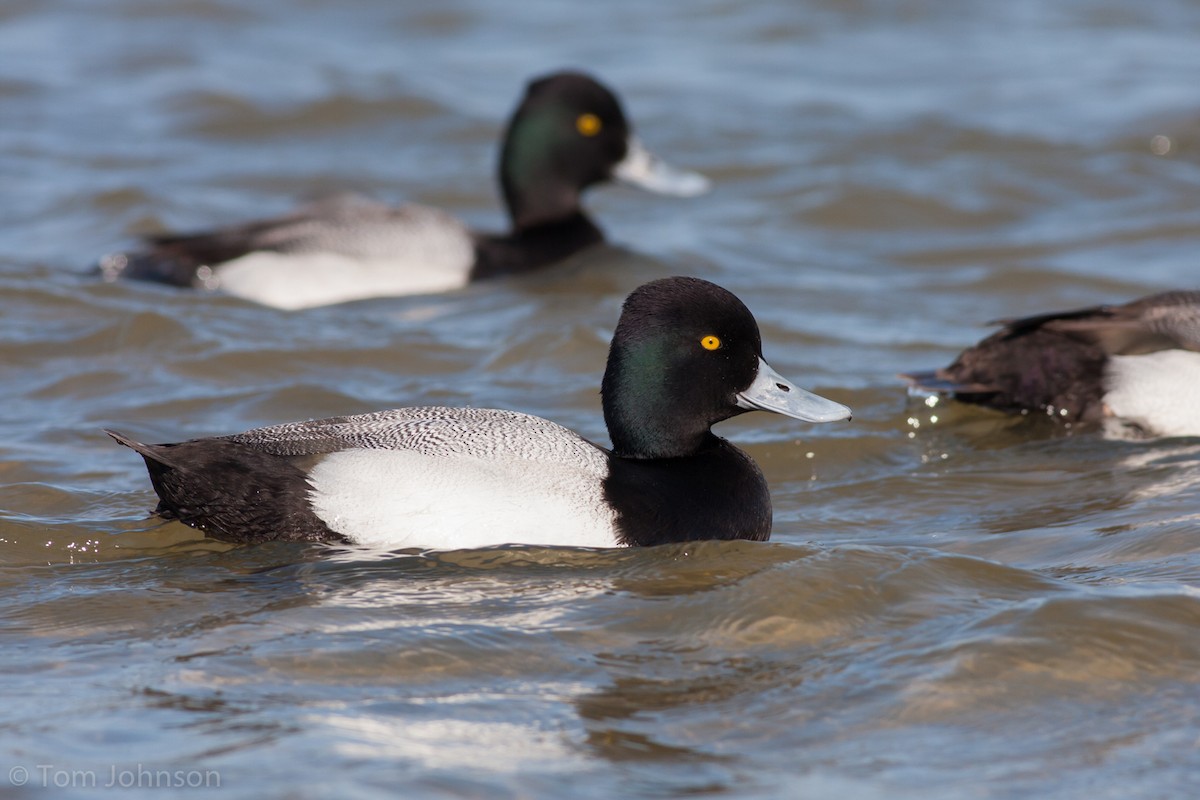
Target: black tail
[232, 491]
[155, 453]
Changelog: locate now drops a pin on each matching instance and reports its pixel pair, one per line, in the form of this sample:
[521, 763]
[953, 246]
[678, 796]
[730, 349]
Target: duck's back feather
[432, 430]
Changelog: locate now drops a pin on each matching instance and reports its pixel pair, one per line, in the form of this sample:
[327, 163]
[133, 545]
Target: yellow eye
[588, 124]
[710, 342]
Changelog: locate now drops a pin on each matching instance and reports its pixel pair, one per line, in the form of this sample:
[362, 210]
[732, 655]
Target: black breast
[719, 493]
[533, 248]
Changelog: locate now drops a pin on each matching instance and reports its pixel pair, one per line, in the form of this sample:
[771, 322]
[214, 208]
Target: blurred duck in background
[568, 133]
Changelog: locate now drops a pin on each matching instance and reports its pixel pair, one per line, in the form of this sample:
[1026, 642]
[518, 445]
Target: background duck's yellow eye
[710, 342]
[588, 124]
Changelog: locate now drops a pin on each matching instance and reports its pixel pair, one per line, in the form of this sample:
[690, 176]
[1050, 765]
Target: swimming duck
[1137, 363]
[685, 355]
[568, 133]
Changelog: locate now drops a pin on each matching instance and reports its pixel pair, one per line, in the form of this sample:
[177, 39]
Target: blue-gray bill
[770, 391]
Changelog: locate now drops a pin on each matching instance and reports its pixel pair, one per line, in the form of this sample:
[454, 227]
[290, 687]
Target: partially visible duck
[685, 355]
[568, 133]
[1137, 363]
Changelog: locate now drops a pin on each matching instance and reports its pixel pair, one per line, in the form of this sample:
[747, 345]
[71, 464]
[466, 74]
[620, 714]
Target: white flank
[317, 279]
[402, 498]
[1160, 392]
[358, 250]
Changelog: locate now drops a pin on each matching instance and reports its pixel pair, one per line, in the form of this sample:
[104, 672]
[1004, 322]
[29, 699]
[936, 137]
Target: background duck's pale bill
[647, 171]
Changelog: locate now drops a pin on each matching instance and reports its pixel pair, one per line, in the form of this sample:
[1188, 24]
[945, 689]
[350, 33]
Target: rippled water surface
[953, 604]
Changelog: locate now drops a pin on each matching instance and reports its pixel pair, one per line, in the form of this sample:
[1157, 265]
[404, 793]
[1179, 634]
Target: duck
[1134, 365]
[568, 133]
[685, 355]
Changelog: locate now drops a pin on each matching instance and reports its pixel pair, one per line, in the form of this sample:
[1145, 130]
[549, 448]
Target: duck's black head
[568, 133]
[687, 354]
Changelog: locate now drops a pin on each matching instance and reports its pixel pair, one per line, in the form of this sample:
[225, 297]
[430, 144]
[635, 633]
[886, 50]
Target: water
[953, 604]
